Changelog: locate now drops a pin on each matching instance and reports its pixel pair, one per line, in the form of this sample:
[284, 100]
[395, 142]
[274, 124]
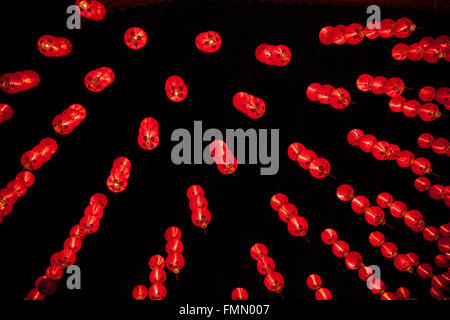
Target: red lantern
[345, 192]
[32, 160]
[444, 230]
[337, 35]
[377, 286]
[17, 186]
[157, 291]
[387, 28]
[384, 200]
[91, 9]
[388, 250]
[433, 53]
[444, 245]
[414, 258]
[198, 202]
[339, 98]
[366, 142]
[265, 265]
[194, 190]
[208, 41]
[73, 243]
[421, 166]
[156, 262]
[329, 236]
[376, 239]
[425, 140]
[403, 28]
[441, 146]
[354, 33]
[323, 294]
[414, 219]
[323, 96]
[99, 198]
[403, 293]
[364, 273]
[364, 82]
[394, 87]
[427, 94]
[354, 136]
[340, 248]
[258, 251]
[402, 263]
[411, 108]
[441, 260]
[98, 79]
[297, 226]
[374, 216]
[6, 112]
[201, 217]
[250, 105]
[287, 211]
[405, 158]
[314, 282]
[281, 55]
[263, 53]
[148, 137]
[274, 281]
[325, 35]
[443, 96]
[54, 46]
[278, 200]
[140, 292]
[174, 246]
[19, 81]
[371, 30]
[239, 294]
[422, 183]
[135, 38]
[429, 112]
[381, 150]
[436, 192]
[294, 150]
[158, 276]
[399, 51]
[175, 262]
[430, 233]
[396, 103]
[360, 204]
[353, 260]
[172, 233]
[54, 272]
[388, 296]
[319, 168]
[117, 182]
[313, 90]
[305, 158]
[415, 52]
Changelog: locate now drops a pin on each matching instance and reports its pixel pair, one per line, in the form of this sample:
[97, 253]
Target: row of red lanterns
[51, 46]
[297, 225]
[198, 204]
[326, 94]
[157, 277]
[40, 154]
[429, 49]
[307, 159]
[314, 282]
[435, 191]
[355, 33]
[250, 105]
[14, 189]
[224, 159]
[442, 95]
[373, 215]
[119, 174]
[89, 224]
[381, 85]
[354, 261]
[382, 150]
[412, 108]
[65, 122]
[148, 137]
[175, 260]
[439, 145]
[278, 55]
[19, 81]
[273, 280]
[6, 112]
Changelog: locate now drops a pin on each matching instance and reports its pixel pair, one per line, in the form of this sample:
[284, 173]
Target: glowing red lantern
[297, 226]
[430, 233]
[294, 150]
[174, 246]
[364, 82]
[325, 35]
[323, 294]
[287, 211]
[313, 90]
[201, 217]
[314, 282]
[157, 291]
[371, 30]
[32, 160]
[274, 281]
[73, 243]
[329, 236]
[91, 9]
[156, 262]
[429, 112]
[384, 200]
[339, 98]
[403, 28]
[402, 293]
[172, 233]
[394, 87]
[388, 296]
[19, 81]
[376, 239]
[175, 262]
[360, 204]
[139, 292]
[319, 168]
[98, 79]
[387, 28]
[405, 158]
[345, 192]
[353, 260]
[176, 89]
[414, 219]
[340, 248]
[374, 216]
[148, 137]
[425, 140]
[415, 52]
[421, 166]
[265, 265]
[305, 158]
[337, 35]
[402, 263]
[281, 55]
[135, 38]
[239, 294]
[399, 51]
[354, 136]
[354, 33]
[6, 112]
[323, 96]
[258, 250]
[208, 41]
[388, 250]
[427, 94]
[54, 46]
[443, 95]
[157, 275]
[441, 146]
[381, 150]
[194, 190]
[278, 200]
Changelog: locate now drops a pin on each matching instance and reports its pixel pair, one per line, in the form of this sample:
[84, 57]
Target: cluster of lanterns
[98, 79]
[381, 85]
[223, 157]
[412, 108]
[198, 204]
[157, 277]
[91, 9]
[19, 81]
[297, 225]
[442, 95]
[176, 89]
[355, 33]
[174, 248]
[6, 112]
[208, 42]
[239, 294]
[429, 49]
[354, 261]
[135, 38]
[250, 105]
[314, 282]
[439, 145]
[273, 280]
[307, 159]
[41, 153]
[51, 46]
[279, 55]
[14, 189]
[373, 215]
[119, 174]
[59, 261]
[435, 191]
[65, 122]
[382, 150]
[326, 94]
[148, 137]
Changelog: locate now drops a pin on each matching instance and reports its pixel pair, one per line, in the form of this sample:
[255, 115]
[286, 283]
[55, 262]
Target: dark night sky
[115, 259]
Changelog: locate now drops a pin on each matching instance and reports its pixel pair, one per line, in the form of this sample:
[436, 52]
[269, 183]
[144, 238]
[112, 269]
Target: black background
[115, 259]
